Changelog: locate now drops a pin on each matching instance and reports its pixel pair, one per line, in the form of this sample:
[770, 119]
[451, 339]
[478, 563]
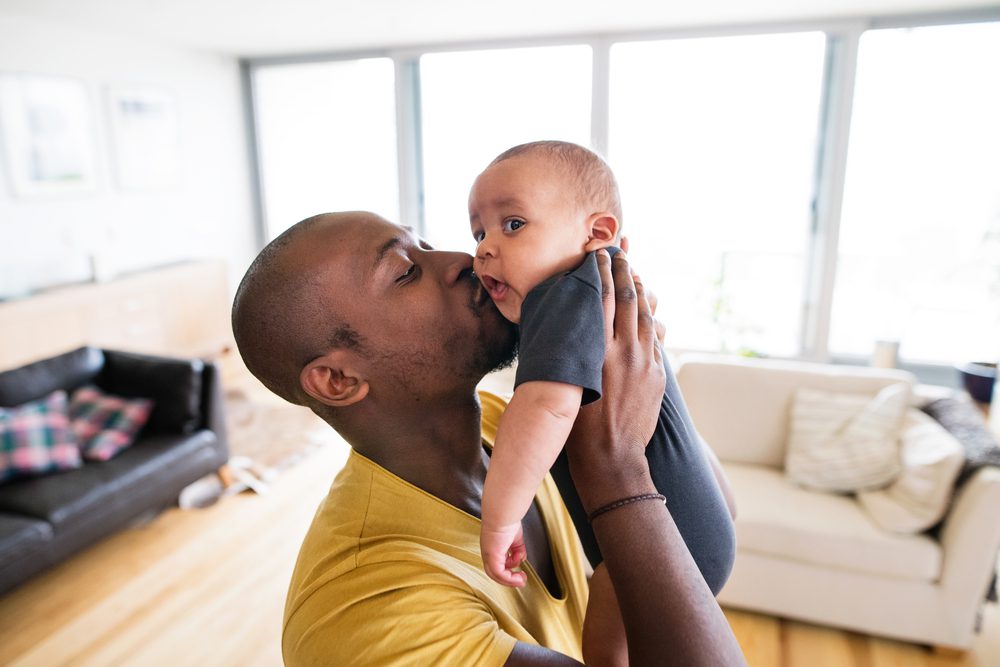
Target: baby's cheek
[512, 311]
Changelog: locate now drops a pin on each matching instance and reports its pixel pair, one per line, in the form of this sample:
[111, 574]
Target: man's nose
[455, 265]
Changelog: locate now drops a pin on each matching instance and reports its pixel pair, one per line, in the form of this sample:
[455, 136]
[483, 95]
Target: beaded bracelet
[625, 501]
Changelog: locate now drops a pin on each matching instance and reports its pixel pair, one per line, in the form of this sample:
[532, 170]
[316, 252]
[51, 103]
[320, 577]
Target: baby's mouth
[497, 289]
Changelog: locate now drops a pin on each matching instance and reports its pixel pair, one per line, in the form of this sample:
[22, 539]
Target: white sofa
[818, 557]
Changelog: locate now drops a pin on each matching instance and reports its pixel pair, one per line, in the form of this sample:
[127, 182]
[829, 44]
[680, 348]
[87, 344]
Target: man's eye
[513, 225]
[409, 272]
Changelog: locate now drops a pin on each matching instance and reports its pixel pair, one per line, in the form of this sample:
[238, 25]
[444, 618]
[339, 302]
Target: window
[326, 136]
[476, 104]
[714, 142]
[919, 252]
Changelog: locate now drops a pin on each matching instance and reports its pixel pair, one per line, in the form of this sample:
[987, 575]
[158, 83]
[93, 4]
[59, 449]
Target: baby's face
[528, 225]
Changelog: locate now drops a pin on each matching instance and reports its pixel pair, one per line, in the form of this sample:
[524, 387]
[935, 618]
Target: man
[386, 339]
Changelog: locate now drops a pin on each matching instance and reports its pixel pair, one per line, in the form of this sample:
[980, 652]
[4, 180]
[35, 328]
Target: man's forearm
[660, 591]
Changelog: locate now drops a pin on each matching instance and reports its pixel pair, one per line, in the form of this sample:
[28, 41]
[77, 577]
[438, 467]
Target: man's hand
[661, 330]
[668, 612]
[611, 434]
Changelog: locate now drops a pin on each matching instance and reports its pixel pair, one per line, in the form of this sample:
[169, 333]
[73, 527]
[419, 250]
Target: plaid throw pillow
[35, 438]
[106, 424]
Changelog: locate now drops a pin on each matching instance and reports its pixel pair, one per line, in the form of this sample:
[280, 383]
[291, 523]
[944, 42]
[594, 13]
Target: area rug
[273, 434]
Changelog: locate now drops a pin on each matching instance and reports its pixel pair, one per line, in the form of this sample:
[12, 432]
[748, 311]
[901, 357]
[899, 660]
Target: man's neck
[434, 446]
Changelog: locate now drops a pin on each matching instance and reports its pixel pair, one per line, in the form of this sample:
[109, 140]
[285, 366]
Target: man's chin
[497, 335]
[507, 356]
[499, 343]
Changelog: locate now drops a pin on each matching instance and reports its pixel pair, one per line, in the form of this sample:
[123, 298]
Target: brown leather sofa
[44, 520]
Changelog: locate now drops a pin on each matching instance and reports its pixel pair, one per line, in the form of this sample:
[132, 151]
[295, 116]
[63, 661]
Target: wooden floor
[207, 587]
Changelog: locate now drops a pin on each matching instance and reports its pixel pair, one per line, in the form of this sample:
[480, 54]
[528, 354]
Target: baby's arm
[532, 431]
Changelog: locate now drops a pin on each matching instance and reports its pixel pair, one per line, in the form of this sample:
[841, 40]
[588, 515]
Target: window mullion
[835, 125]
[408, 143]
[600, 92]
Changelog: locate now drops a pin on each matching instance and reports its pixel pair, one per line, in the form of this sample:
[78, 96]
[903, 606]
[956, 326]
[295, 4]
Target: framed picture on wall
[47, 135]
[144, 137]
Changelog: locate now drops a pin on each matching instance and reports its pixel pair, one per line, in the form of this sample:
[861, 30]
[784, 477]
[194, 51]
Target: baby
[539, 212]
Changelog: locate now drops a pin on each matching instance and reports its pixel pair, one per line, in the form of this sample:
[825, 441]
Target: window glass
[476, 104]
[326, 134]
[919, 252]
[714, 145]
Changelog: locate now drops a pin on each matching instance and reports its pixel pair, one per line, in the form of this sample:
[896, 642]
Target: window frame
[837, 91]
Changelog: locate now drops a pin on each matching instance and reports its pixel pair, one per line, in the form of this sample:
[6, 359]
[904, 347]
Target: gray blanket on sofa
[964, 421]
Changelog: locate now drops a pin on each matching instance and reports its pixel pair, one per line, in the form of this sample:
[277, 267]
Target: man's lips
[479, 294]
[496, 288]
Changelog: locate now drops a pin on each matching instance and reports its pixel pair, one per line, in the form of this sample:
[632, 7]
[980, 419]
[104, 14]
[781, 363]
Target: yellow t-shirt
[391, 575]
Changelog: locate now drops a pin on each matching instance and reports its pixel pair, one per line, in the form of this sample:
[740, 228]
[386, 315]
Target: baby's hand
[503, 550]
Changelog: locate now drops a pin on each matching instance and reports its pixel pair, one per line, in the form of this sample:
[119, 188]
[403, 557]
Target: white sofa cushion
[845, 442]
[778, 518]
[932, 459]
[740, 406]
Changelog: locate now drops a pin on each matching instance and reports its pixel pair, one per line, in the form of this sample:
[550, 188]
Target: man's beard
[499, 340]
[507, 354]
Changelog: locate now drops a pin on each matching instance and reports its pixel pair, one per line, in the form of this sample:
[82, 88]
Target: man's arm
[669, 613]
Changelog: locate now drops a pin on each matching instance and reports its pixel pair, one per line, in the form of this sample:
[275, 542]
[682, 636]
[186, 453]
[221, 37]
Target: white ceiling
[268, 27]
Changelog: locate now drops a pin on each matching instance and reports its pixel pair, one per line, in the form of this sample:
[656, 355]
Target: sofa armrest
[175, 385]
[214, 407]
[970, 539]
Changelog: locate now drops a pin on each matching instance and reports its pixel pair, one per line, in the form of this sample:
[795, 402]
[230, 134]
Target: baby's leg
[603, 630]
[682, 472]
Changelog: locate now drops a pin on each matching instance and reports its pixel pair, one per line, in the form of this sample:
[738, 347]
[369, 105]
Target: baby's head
[535, 212]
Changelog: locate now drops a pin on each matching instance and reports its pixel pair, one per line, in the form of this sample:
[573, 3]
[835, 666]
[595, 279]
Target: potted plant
[978, 378]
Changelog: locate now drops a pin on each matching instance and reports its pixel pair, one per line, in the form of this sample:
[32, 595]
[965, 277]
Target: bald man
[386, 338]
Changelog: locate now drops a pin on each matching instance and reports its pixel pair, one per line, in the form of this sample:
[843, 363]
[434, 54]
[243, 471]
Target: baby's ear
[603, 230]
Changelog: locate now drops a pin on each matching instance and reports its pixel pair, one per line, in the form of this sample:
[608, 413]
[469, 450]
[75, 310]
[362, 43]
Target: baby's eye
[478, 236]
[513, 224]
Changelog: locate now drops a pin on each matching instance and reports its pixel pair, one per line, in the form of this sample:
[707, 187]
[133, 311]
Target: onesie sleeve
[394, 614]
[562, 331]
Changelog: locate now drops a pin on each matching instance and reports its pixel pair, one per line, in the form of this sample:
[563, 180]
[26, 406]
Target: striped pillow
[35, 438]
[106, 424]
[845, 442]
[932, 459]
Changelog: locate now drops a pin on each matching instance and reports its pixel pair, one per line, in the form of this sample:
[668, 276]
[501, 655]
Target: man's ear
[334, 379]
[603, 228]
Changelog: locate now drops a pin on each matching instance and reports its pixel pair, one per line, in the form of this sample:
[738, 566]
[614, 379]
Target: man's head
[535, 211]
[347, 306]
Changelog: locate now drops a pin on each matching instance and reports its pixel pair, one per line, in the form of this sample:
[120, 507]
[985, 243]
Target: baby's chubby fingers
[503, 551]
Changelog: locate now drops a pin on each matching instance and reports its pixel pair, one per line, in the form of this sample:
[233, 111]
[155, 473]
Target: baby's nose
[485, 249]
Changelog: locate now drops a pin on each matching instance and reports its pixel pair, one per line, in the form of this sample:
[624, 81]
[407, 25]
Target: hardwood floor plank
[817, 647]
[204, 585]
[759, 637]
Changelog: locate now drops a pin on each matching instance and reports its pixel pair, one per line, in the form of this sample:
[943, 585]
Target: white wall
[208, 214]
